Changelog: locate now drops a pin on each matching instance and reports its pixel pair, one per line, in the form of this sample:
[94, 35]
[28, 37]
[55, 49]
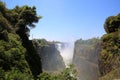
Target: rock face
[52, 61]
[85, 58]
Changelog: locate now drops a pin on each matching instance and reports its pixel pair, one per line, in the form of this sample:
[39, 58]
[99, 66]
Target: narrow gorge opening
[66, 51]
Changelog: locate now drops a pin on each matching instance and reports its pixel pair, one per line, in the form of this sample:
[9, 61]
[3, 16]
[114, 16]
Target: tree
[26, 17]
[18, 20]
[112, 24]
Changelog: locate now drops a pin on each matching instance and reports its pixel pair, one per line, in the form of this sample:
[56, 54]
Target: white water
[66, 51]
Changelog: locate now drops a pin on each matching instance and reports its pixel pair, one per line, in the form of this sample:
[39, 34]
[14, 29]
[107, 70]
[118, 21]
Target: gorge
[22, 58]
[55, 56]
[84, 55]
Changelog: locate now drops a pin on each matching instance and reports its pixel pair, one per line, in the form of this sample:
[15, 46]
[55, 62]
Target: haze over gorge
[66, 51]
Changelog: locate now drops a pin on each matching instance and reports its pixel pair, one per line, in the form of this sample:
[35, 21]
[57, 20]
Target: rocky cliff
[85, 58]
[52, 61]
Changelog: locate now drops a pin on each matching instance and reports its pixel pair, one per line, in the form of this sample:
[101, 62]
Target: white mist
[66, 51]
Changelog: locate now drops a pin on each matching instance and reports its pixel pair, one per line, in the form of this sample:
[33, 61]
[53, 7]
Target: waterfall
[66, 51]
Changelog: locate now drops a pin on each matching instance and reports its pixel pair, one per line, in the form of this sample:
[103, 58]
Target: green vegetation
[112, 75]
[109, 60]
[68, 74]
[112, 24]
[92, 41]
[17, 53]
[14, 74]
[40, 42]
[12, 54]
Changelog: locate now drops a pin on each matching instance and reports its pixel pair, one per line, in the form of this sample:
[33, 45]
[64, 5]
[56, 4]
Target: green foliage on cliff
[92, 41]
[109, 60]
[112, 75]
[40, 42]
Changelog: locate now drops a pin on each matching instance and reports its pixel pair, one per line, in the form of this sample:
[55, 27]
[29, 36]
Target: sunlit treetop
[112, 24]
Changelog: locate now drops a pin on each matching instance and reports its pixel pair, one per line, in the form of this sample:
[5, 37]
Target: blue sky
[68, 20]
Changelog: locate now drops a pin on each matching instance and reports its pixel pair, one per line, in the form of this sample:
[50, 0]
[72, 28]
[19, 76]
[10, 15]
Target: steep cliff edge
[52, 61]
[85, 58]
